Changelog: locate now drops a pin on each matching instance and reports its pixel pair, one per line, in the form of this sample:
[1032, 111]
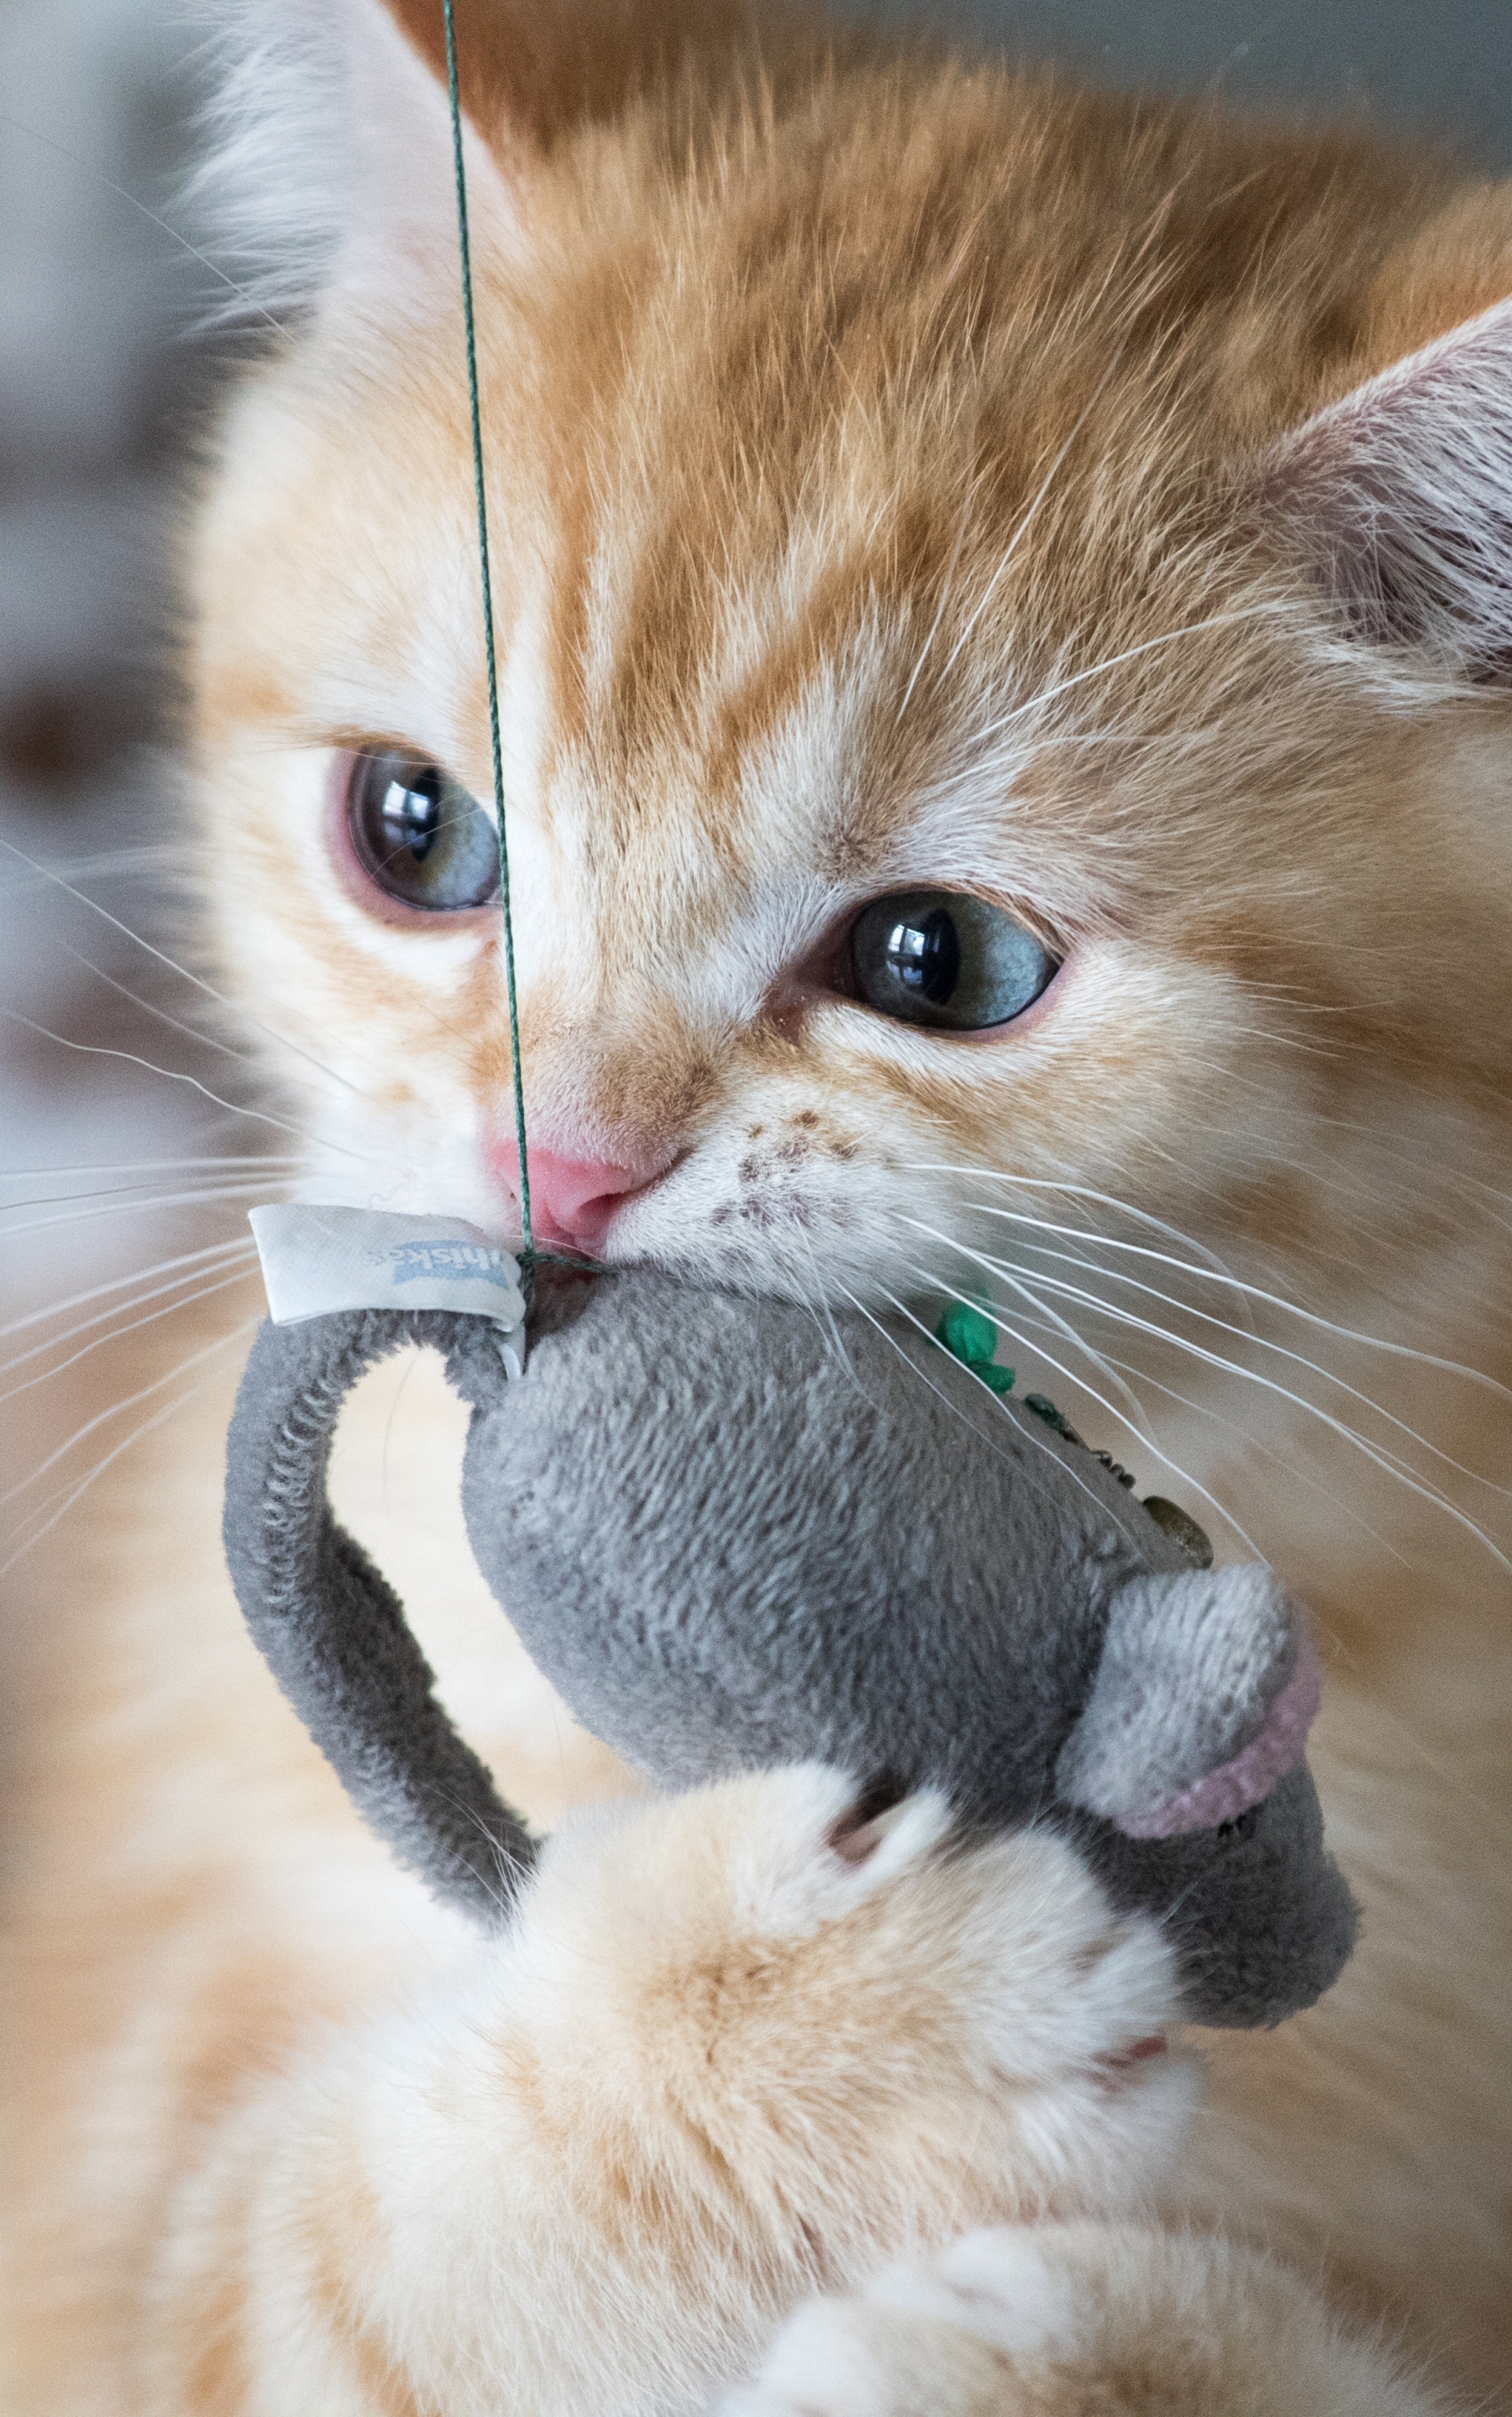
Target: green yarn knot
[972, 1339]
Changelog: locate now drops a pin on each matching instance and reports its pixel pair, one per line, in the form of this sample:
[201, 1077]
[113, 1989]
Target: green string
[527, 1252]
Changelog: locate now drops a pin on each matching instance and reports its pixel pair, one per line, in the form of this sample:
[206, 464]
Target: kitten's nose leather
[572, 1199]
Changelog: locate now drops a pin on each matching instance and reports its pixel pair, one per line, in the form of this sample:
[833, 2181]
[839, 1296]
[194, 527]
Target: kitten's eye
[420, 835]
[940, 958]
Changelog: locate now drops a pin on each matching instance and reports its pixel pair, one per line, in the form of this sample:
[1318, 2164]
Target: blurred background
[107, 362]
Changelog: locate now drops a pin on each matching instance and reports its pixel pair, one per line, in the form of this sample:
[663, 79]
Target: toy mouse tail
[332, 1630]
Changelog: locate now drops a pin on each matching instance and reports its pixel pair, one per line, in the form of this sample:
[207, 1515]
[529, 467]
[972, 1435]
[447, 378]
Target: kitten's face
[924, 765]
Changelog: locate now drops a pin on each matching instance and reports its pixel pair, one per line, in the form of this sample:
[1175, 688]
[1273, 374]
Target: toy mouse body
[733, 1535]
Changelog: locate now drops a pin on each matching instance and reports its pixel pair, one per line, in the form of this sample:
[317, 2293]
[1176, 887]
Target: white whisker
[817, 1305]
[1077, 1342]
[104, 864]
[1262, 1343]
[1390, 1462]
[1252, 1292]
[280, 1039]
[122, 192]
[150, 1166]
[96, 1049]
[936, 1283]
[189, 1032]
[1080, 1192]
[115, 1454]
[102, 1342]
[1045, 697]
[944, 598]
[1298, 1474]
[118, 1309]
[134, 1196]
[1039, 1442]
[244, 1247]
[156, 1203]
[101, 1418]
[1215, 1271]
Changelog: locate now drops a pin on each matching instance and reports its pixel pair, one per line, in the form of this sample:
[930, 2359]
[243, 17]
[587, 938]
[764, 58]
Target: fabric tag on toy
[317, 1258]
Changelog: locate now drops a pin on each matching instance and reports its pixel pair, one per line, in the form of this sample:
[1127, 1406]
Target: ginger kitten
[1004, 604]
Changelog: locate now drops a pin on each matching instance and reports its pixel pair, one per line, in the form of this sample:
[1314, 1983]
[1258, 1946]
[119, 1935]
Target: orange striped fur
[902, 471]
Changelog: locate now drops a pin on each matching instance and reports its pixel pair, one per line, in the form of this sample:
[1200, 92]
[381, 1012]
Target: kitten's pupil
[418, 835]
[925, 955]
[952, 962]
[412, 811]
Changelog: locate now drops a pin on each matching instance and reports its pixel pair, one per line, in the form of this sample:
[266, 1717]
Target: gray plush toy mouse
[733, 1535]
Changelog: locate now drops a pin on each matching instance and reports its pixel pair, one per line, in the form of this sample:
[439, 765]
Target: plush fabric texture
[331, 1627]
[1183, 1686]
[735, 1536]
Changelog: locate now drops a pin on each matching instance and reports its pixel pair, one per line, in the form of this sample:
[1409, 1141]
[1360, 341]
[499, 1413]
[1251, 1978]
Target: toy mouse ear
[1207, 1687]
[332, 1630]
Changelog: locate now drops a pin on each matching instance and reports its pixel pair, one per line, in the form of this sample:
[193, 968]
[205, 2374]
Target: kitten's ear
[1400, 498]
[329, 173]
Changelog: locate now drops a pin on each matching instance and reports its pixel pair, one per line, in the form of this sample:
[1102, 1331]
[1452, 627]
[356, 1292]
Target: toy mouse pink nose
[572, 1199]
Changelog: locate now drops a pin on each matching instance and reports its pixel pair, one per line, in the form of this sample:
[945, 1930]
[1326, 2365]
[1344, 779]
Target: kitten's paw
[861, 2019]
[942, 2339]
[1077, 2319]
[839, 2358]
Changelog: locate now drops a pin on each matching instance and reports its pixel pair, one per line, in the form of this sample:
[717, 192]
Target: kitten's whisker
[1041, 1443]
[146, 1005]
[1298, 1474]
[124, 1308]
[115, 1454]
[1253, 1292]
[123, 193]
[95, 908]
[1069, 1334]
[102, 1342]
[921, 1372]
[151, 1166]
[1123, 1316]
[111, 1206]
[1262, 1342]
[96, 1049]
[1005, 1274]
[817, 1305]
[104, 864]
[246, 1248]
[1216, 1271]
[1452, 1774]
[103, 1417]
[1081, 1192]
[1042, 697]
[944, 598]
[127, 1196]
[1296, 1041]
[927, 1276]
[1390, 1462]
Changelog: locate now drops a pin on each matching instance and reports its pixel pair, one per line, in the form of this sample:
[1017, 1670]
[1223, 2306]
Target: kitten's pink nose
[572, 1199]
